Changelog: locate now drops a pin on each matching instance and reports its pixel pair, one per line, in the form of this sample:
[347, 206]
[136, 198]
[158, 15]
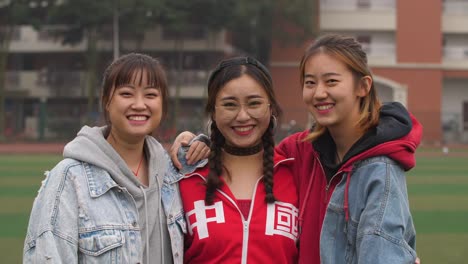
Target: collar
[98, 185]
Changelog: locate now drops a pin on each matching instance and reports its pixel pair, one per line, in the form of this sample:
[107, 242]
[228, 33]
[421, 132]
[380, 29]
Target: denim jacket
[378, 204]
[108, 233]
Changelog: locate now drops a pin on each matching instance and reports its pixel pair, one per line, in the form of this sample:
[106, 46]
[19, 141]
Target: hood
[395, 122]
[91, 146]
[401, 150]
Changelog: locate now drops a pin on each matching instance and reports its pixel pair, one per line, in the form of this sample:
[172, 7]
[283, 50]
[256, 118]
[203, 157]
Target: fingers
[173, 155]
[418, 261]
[198, 151]
[181, 140]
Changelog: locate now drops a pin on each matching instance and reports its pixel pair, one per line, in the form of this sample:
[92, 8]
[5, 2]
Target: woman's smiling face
[135, 109]
[331, 92]
[242, 112]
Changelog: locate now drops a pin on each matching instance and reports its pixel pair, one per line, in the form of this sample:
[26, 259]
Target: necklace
[139, 164]
[236, 151]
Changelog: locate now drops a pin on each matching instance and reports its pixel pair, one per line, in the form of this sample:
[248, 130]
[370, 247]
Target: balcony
[455, 16]
[27, 39]
[193, 83]
[337, 15]
[353, 5]
[45, 83]
[56, 83]
[455, 57]
[380, 54]
[455, 7]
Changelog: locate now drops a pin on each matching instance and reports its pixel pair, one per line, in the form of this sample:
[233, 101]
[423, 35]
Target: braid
[214, 161]
[268, 152]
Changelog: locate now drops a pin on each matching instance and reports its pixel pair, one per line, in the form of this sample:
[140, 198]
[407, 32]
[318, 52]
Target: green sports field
[438, 190]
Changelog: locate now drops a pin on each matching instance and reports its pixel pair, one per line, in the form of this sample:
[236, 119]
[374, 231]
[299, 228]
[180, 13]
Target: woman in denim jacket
[350, 165]
[114, 198]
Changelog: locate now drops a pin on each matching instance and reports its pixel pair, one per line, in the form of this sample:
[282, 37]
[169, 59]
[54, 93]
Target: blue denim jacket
[378, 204]
[108, 233]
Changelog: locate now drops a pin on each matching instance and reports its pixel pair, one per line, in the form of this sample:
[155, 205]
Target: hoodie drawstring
[161, 230]
[146, 223]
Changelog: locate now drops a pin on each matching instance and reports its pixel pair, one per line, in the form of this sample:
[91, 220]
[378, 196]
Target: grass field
[438, 190]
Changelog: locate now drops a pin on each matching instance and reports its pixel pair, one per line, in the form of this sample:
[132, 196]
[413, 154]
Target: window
[365, 41]
[364, 3]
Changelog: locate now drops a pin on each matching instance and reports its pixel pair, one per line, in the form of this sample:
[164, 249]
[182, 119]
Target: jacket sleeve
[385, 233]
[52, 235]
[288, 146]
[50, 247]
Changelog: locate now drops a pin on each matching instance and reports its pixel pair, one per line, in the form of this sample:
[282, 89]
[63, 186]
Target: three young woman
[114, 197]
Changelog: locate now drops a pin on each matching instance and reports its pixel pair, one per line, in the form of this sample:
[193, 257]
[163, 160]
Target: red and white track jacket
[218, 233]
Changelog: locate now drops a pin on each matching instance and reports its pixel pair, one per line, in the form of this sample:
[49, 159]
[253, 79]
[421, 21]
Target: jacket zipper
[327, 188]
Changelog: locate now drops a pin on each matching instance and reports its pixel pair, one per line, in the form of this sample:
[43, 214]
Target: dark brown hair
[226, 71]
[349, 51]
[124, 70]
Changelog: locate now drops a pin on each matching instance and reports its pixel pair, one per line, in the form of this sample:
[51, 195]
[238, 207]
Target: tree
[181, 16]
[88, 19]
[257, 23]
[84, 20]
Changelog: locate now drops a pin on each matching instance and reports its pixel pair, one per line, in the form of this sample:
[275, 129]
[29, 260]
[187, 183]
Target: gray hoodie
[90, 146]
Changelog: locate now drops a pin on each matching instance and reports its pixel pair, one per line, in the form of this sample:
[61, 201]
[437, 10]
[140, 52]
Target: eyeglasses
[254, 108]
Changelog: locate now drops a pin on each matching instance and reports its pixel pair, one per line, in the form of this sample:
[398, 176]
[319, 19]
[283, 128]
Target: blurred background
[53, 54]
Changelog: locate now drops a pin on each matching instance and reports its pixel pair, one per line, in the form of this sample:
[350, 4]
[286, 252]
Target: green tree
[88, 19]
[181, 17]
[84, 20]
[256, 24]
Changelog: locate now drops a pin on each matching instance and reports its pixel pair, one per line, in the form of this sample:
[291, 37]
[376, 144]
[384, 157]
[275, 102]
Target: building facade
[46, 81]
[417, 50]
[418, 53]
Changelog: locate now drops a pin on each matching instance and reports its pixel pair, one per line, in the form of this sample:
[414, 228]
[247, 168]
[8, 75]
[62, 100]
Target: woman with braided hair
[242, 205]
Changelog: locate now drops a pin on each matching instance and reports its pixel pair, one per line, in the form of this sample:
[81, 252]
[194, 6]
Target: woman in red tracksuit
[241, 207]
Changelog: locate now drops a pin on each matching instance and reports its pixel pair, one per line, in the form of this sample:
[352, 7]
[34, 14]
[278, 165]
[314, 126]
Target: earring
[273, 123]
[208, 127]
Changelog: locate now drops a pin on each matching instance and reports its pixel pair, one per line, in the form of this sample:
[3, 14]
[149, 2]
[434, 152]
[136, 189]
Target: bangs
[133, 73]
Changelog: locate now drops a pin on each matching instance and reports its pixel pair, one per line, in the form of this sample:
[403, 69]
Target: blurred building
[418, 52]
[46, 94]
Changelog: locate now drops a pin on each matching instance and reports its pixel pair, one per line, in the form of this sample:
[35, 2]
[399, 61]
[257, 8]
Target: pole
[116, 32]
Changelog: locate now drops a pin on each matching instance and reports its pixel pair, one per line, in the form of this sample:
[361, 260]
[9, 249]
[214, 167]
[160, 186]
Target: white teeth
[243, 129]
[324, 107]
[137, 118]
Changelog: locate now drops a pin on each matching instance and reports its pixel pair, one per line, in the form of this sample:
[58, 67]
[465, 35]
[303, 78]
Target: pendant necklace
[139, 164]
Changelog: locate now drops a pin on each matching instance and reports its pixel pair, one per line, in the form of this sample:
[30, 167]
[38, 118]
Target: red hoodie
[315, 192]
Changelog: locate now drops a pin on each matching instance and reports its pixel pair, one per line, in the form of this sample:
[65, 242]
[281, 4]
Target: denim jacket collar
[98, 182]
[173, 175]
